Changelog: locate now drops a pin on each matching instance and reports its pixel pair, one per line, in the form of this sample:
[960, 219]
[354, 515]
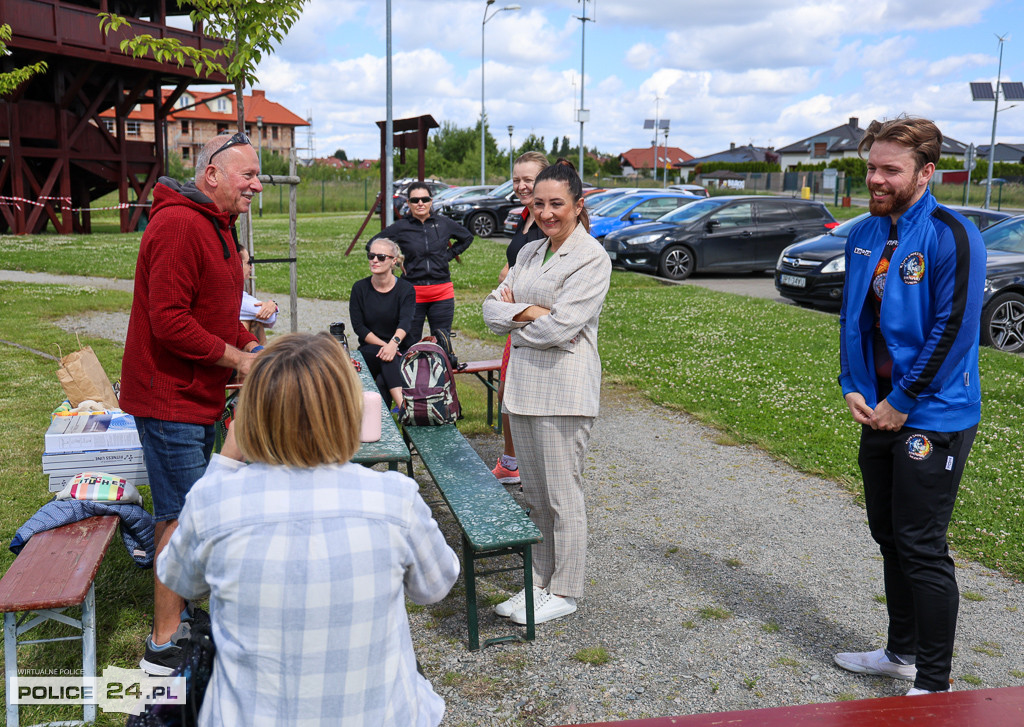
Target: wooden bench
[972, 708]
[491, 368]
[56, 569]
[492, 522]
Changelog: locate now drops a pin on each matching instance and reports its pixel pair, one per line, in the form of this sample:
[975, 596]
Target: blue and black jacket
[930, 316]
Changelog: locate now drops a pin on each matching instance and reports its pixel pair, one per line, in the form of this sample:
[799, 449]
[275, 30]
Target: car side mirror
[712, 224]
[635, 217]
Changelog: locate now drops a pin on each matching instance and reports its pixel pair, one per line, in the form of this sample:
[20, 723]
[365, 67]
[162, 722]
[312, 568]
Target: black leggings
[441, 314]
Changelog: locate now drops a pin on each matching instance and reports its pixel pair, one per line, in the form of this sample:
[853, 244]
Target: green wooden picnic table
[390, 447]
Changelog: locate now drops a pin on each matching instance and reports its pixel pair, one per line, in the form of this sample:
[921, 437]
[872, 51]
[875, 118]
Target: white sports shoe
[546, 607]
[914, 691]
[875, 662]
[518, 601]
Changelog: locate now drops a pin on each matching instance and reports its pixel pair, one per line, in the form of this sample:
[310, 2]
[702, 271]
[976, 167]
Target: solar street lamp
[985, 92]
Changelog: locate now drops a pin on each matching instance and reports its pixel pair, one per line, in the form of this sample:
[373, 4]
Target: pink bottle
[370, 431]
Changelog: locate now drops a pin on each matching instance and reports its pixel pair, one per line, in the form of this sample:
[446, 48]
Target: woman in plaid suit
[550, 303]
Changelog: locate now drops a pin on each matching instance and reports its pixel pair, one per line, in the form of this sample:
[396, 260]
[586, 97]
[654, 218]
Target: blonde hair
[535, 157]
[302, 404]
[396, 252]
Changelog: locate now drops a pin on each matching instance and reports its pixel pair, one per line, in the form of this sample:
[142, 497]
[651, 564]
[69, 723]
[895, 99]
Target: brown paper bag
[83, 377]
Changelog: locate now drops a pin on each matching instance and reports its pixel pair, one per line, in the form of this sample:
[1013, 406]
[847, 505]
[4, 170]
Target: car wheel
[1002, 323]
[676, 263]
[481, 224]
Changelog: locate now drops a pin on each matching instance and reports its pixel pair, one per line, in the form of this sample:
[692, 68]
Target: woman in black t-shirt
[381, 308]
[524, 173]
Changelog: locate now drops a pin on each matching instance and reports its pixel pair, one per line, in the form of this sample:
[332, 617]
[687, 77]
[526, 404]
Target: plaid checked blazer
[554, 368]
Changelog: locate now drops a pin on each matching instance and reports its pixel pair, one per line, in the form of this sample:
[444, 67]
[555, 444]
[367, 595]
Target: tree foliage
[249, 30]
[340, 154]
[12, 80]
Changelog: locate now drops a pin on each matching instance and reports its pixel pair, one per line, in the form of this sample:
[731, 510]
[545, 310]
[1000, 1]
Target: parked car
[812, 271]
[628, 210]
[447, 196]
[596, 200]
[484, 213]
[402, 192]
[728, 233]
[1002, 310]
[512, 220]
[694, 189]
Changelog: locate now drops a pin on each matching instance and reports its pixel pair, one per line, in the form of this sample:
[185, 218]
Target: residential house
[736, 154]
[1013, 153]
[636, 161]
[198, 116]
[840, 143]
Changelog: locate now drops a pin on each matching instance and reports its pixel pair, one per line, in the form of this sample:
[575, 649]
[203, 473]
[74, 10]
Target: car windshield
[617, 206]
[1007, 235]
[846, 228]
[501, 191]
[692, 210]
[593, 201]
[448, 193]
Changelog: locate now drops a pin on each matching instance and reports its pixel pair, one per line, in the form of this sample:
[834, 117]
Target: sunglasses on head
[379, 256]
[419, 200]
[235, 140]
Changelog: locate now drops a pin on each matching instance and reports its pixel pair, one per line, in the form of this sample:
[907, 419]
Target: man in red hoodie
[184, 342]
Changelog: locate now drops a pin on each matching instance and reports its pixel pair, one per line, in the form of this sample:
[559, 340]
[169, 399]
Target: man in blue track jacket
[915, 274]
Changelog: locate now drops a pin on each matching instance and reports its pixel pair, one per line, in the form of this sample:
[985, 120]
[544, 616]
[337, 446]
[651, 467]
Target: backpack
[428, 393]
[443, 338]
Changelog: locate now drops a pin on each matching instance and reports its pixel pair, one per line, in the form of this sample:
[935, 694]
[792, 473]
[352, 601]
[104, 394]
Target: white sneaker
[875, 662]
[518, 601]
[914, 691]
[546, 607]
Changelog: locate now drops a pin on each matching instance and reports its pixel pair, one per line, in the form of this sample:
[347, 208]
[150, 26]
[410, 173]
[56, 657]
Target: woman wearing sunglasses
[381, 308]
[426, 241]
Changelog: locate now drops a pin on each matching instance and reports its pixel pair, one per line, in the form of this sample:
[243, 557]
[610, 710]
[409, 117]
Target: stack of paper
[93, 443]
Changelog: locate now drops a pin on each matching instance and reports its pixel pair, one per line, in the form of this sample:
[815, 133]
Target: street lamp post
[259, 146]
[511, 128]
[483, 116]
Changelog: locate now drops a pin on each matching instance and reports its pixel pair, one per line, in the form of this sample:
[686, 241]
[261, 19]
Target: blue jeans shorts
[176, 457]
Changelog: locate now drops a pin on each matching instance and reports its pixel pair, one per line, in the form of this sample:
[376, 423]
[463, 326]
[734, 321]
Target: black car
[812, 272]
[1002, 311]
[734, 233]
[484, 215]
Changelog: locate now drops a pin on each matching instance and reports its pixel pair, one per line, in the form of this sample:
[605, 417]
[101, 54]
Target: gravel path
[719, 579]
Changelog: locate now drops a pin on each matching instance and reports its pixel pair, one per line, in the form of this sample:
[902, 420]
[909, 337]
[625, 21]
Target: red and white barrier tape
[65, 205]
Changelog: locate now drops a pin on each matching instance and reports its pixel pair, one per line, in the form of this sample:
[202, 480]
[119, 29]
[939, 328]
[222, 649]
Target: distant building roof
[1004, 152]
[845, 138]
[220, 106]
[722, 174]
[737, 154]
[644, 158]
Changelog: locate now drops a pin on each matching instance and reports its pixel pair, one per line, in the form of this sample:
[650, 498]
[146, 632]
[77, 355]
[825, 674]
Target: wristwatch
[396, 339]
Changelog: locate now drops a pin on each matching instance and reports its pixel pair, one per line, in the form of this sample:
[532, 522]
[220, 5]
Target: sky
[761, 72]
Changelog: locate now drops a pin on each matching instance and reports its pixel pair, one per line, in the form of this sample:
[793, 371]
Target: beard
[898, 201]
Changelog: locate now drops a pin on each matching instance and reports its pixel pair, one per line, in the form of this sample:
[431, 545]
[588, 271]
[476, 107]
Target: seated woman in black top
[381, 309]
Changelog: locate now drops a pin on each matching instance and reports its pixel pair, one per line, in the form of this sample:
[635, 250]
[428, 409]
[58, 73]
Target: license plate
[612, 255]
[793, 281]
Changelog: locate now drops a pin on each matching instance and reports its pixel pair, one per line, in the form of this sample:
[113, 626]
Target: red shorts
[504, 357]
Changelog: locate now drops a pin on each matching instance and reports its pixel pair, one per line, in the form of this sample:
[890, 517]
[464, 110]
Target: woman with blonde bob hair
[308, 558]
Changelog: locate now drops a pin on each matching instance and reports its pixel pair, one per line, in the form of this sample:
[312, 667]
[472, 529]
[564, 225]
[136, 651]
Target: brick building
[198, 116]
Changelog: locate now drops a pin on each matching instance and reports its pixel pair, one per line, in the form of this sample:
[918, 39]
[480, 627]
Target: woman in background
[381, 308]
[551, 303]
[257, 315]
[308, 558]
[524, 174]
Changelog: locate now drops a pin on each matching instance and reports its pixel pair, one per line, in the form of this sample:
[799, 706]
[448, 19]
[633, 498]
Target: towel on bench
[137, 525]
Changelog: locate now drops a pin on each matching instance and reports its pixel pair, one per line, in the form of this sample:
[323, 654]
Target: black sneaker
[196, 616]
[163, 662]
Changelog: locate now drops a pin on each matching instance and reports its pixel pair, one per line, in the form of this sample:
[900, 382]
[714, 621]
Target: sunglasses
[379, 257]
[419, 200]
[236, 139]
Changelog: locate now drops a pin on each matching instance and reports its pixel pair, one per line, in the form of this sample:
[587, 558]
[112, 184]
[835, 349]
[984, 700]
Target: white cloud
[641, 56]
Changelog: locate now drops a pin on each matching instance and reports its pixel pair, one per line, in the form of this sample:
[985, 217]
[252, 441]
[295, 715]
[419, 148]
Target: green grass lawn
[763, 372]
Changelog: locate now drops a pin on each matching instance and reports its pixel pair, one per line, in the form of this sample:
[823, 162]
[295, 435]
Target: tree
[554, 147]
[10, 81]
[564, 150]
[340, 154]
[248, 29]
[532, 143]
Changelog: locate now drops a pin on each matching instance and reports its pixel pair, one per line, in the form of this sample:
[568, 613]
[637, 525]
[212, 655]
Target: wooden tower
[56, 154]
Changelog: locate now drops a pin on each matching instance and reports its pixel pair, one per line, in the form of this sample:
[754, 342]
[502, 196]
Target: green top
[548, 252]
[488, 515]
